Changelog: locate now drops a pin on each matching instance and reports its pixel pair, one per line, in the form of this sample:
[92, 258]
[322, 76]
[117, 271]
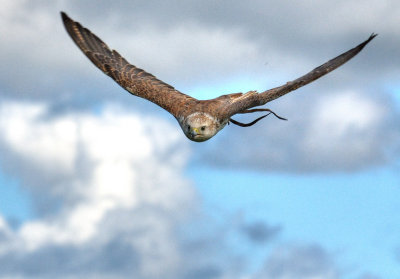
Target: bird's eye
[203, 128]
[188, 127]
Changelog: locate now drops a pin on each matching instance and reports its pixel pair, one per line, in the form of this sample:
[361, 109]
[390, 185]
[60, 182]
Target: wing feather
[250, 99]
[135, 80]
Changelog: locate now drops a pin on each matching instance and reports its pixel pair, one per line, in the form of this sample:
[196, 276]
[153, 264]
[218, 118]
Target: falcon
[200, 120]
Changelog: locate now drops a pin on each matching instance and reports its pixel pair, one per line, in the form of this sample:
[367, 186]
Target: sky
[96, 183]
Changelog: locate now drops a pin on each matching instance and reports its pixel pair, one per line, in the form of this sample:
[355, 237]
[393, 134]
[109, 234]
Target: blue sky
[350, 214]
[105, 185]
[15, 202]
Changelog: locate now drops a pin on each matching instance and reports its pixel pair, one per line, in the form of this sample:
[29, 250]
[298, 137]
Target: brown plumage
[199, 119]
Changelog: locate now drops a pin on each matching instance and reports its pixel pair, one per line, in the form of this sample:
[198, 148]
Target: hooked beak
[196, 131]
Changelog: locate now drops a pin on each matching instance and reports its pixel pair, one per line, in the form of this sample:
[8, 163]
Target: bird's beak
[196, 131]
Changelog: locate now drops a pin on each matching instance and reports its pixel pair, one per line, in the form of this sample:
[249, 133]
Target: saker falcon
[200, 120]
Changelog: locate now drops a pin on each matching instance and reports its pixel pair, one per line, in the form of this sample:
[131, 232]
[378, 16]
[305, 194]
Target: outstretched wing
[253, 99]
[135, 80]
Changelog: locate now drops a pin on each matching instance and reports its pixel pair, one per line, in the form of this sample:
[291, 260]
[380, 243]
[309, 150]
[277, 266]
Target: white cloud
[346, 111]
[130, 163]
[345, 131]
[54, 146]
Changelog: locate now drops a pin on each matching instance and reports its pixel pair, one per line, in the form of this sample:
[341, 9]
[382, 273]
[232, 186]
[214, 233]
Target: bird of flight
[200, 120]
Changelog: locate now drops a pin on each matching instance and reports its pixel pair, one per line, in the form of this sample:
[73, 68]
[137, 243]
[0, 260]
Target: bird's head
[200, 126]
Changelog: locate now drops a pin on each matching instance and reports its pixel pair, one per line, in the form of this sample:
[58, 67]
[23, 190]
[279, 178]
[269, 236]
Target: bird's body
[200, 120]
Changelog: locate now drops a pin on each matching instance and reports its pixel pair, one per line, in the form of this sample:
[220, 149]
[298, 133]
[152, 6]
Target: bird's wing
[135, 80]
[253, 99]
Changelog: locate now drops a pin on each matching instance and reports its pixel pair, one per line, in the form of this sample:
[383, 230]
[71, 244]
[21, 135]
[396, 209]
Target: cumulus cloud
[125, 176]
[346, 131]
[115, 216]
[112, 199]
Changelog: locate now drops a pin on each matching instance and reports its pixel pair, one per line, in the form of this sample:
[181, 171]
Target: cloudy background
[95, 183]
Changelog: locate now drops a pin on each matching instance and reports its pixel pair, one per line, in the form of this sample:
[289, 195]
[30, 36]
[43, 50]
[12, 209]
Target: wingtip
[363, 44]
[373, 35]
[64, 16]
